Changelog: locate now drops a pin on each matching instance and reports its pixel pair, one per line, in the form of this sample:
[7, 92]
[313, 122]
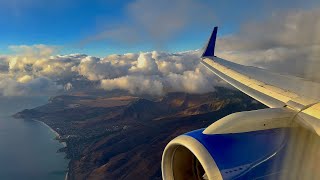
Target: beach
[51, 129]
[57, 135]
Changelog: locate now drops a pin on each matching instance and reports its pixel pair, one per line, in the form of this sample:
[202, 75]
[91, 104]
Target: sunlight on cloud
[285, 40]
[135, 85]
[25, 79]
[156, 73]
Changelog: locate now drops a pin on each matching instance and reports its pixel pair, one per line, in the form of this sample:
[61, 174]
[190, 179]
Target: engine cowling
[186, 158]
[200, 156]
[243, 154]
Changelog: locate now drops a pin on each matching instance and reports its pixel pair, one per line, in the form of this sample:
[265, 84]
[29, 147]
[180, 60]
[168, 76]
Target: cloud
[287, 42]
[145, 64]
[38, 50]
[155, 21]
[35, 70]
[39, 62]
[135, 85]
[191, 81]
[36, 87]
[157, 73]
[25, 79]
[150, 80]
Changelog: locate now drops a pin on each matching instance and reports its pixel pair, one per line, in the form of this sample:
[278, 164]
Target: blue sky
[100, 27]
[271, 34]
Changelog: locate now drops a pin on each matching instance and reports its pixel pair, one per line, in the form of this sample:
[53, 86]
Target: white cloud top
[153, 73]
[287, 42]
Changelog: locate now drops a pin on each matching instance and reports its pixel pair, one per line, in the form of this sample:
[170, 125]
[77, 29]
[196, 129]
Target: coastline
[66, 178]
[52, 130]
[57, 135]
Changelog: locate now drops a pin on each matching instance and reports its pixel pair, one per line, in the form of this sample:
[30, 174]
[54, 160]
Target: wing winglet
[209, 51]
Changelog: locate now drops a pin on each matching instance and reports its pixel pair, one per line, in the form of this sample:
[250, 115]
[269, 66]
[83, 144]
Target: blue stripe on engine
[245, 154]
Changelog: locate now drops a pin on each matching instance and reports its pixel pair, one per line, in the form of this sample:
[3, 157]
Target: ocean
[28, 150]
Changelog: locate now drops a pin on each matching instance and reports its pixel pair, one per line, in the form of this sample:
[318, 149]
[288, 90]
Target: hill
[122, 137]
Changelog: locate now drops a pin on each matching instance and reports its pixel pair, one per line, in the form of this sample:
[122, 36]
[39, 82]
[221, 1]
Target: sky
[101, 27]
[149, 47]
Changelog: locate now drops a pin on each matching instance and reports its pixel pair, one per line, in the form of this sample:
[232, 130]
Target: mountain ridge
[120, 142]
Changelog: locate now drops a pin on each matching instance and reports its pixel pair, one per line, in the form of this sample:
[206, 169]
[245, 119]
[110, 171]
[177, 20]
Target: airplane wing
[280, 142]
[272, 89]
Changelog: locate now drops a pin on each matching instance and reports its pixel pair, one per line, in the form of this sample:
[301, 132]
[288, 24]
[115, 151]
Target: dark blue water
[27, 148]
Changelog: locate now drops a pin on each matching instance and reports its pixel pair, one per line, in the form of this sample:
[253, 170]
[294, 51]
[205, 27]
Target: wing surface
[272, 89]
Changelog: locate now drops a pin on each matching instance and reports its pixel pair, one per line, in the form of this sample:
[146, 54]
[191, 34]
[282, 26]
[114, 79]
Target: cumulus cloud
[135, 84]
[145, 64]
[191, 81]
[287, 42]
[197, 80]
[156, 73]
[33, 71]
[94, 69]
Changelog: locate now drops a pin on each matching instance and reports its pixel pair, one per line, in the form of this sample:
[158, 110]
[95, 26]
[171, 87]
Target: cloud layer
[35, 71]
[286, 42]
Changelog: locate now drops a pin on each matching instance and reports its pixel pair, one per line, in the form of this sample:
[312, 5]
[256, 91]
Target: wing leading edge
[272, 89]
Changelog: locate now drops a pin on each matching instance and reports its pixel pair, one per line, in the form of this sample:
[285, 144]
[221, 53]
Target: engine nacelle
[186, 158]
[248, 145]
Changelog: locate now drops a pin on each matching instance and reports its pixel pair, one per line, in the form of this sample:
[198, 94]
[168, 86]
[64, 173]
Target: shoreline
[57, 135]
[52, 130]
[66, 177]
[64, 144]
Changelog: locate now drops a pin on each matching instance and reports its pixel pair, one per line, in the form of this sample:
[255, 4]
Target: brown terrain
[122, 137]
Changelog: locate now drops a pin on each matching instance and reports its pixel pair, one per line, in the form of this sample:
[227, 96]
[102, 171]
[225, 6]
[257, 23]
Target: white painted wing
[272, 89]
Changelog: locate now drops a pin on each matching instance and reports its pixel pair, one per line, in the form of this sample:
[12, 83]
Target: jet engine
[244, 145]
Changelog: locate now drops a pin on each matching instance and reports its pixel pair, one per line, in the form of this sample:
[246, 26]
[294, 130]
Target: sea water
[27, 148]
